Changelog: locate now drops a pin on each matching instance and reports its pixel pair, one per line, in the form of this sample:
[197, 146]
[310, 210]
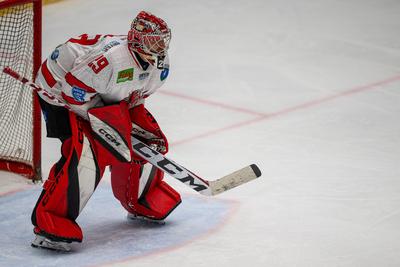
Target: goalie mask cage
[20, 125]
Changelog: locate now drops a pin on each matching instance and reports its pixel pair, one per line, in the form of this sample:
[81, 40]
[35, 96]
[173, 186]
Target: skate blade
[44, 243]
[134, 217]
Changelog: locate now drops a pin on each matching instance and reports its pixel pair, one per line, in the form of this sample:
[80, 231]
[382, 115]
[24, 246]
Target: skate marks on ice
[108, 235]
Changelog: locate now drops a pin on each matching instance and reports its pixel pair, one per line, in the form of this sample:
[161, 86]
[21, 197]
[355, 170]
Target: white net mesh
[16, 108]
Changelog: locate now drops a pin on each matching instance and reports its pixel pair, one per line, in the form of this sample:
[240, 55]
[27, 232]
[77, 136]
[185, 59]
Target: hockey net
[20, 49]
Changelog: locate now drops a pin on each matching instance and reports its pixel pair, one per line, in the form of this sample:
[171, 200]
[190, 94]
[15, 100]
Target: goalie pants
[73, 179]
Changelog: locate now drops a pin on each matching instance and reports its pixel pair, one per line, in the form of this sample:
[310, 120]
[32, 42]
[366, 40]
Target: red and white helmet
[150, 36]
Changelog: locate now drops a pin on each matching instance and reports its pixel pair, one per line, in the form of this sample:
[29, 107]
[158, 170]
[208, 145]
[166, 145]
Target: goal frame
[30, 171]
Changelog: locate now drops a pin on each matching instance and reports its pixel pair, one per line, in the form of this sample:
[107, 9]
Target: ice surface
[109, 235]
[308, 90]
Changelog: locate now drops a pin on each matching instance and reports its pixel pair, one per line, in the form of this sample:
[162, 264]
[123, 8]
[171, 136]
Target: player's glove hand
[146, 129]
[159, 144]
[156, 140]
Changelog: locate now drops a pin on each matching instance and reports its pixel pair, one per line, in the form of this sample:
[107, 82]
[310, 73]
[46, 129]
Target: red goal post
[20, 118]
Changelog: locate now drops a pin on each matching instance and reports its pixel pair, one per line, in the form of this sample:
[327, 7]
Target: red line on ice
[211, 103]
[285, 111]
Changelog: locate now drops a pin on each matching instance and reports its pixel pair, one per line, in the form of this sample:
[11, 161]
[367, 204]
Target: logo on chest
[125, 75]
[143, 76]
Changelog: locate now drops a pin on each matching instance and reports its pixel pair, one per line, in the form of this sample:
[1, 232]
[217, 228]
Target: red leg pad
[120, 173]
[162, 200]
[158, 199]
[56, 209]
[50, 215]
[58, 228]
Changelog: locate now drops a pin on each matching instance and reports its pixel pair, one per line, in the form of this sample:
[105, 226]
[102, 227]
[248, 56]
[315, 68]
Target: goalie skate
[135, 217]
[43, 242]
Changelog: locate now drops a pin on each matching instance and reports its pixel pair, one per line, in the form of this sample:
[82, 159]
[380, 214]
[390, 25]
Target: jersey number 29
[98, 64]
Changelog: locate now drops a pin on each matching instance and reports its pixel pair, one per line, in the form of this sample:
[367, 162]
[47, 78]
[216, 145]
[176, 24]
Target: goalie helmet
[150, 36]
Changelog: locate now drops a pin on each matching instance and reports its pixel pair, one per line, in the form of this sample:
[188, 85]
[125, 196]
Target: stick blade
[235, 179]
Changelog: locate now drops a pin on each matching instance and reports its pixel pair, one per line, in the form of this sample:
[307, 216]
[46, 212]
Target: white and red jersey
[94, 70]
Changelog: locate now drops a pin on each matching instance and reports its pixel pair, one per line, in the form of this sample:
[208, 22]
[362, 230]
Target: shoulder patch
[164, 74]
[125, 75]
[55, 54]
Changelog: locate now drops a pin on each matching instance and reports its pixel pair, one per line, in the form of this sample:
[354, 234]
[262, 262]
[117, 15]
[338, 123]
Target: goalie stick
[204, 187]
[177, 171]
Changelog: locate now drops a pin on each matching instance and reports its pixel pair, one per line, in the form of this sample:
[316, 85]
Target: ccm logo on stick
[168, 166]
[111, 138]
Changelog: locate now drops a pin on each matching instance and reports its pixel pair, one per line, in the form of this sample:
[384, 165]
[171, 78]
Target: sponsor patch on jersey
[143, 76]
[78, 94]
[164, 74]
[125, 75]
[55, 54]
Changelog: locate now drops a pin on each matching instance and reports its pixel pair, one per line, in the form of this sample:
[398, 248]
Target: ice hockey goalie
[109, 77]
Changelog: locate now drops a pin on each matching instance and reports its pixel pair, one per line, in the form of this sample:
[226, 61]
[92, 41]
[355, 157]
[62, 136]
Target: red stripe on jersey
[71, 100]
[84, 39]
[73, 81]
[115, 35]
[47, 75]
